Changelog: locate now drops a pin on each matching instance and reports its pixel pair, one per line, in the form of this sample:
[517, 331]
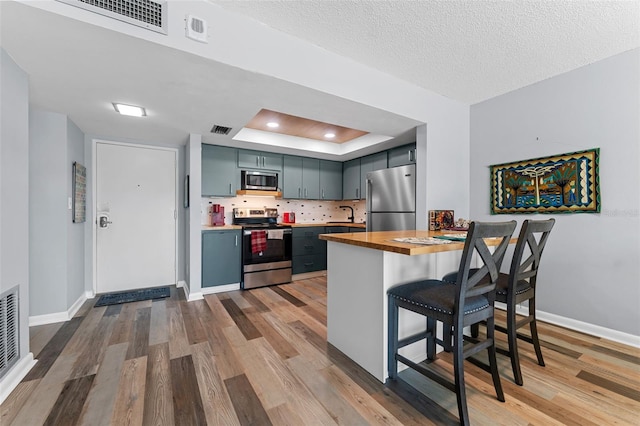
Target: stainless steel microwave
[263, 181]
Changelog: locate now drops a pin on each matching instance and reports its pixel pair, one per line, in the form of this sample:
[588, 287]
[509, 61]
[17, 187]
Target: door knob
[104, 222]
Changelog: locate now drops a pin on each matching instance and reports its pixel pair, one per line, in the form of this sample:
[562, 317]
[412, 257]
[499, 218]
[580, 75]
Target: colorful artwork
[565, 183]
[440, 219]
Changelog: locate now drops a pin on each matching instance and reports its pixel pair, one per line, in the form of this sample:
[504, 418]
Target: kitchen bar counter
[361, 267]
[384, 241]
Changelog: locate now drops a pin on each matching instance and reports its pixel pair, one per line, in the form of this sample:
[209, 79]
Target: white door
[136, 211]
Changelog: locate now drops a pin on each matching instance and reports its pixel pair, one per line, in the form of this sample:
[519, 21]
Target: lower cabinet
[221, 257]
[309, 251]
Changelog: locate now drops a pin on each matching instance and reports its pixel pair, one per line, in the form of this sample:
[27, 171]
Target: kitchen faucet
[351, 208]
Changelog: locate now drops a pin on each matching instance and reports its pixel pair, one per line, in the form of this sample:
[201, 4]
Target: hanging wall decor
[79, 193]
[565, 183]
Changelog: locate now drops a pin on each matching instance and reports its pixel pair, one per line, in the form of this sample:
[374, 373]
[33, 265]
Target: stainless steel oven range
[266, 247]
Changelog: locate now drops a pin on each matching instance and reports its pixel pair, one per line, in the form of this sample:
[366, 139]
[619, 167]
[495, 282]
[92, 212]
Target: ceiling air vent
[148, 14]
[220, 130]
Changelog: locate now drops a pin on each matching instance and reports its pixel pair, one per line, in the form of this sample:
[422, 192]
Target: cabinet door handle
[357, 192]
[236, 241]
[323, 193]
[257, 161]
[299, 192]
[229, 188]
[305, 193]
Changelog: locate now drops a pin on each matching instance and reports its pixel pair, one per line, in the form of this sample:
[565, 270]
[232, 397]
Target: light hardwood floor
[261, 357]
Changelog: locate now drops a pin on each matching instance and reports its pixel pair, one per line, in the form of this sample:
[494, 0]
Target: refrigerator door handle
[368, 204]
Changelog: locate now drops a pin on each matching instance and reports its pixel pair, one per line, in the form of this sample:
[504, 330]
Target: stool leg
[458, 371]
[534, 330]
[431, 339]
[392, 337]
[493, 362]
[512, 337]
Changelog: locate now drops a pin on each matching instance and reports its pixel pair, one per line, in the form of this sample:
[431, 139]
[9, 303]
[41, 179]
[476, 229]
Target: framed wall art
[79, 186]
[565, 183]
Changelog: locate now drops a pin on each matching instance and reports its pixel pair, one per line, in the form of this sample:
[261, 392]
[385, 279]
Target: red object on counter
[258, 241]
[217, 215]
[289, 217]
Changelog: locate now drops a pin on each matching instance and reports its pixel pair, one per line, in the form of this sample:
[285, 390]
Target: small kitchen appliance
[289, 217]
[217, 215]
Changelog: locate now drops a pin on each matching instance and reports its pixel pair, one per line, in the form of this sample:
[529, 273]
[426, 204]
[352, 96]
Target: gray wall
[47, 212]
[590, 268]
[75, 231]
[56, 243]
[14, 188]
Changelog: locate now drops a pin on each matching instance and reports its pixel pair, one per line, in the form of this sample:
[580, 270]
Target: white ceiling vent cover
[196, 29]
[149, 14]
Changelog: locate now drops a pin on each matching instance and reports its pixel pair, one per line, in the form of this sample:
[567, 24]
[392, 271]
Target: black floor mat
[132, 296]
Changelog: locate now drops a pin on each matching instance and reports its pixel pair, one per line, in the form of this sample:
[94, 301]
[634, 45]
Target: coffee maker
[217, 215]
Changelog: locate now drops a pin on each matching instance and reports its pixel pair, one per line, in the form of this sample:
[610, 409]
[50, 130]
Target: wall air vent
[220, 130]
[148, 14]
[9, 344]
[196, 29]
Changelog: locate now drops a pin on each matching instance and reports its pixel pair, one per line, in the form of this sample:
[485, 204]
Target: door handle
[104, 222]
[257, 161]
[236, 241]
[323, 193]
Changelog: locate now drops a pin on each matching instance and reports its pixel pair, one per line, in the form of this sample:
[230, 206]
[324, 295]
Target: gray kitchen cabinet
[402, 155]
[368, 164]
[221, 257]
[309, 252]
[219, 172]
[301, 178]
[351, 180]
[330, 180]
[248, 159]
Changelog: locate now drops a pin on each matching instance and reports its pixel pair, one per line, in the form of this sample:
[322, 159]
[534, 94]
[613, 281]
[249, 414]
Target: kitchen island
[361, 267]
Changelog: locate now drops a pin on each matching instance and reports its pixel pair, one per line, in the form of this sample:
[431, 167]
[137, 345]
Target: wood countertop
[220, 228]
[293, 225]
[348, 224]
[384, 241]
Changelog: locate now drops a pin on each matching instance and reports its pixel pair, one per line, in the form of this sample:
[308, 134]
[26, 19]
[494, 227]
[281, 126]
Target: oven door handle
[285, 231]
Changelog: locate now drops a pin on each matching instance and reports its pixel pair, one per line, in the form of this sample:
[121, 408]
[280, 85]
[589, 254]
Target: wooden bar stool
[518, 286]
[467, 302]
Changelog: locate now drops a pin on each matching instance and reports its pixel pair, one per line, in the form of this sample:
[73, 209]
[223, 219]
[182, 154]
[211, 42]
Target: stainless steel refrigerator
[391, 199]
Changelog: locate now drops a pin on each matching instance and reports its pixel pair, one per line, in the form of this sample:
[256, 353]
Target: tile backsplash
[307, 211]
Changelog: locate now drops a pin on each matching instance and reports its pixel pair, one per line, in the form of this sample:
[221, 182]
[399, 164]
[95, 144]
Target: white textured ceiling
[465, 50]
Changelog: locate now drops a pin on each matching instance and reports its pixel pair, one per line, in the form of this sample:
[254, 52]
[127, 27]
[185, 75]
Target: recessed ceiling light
[134, 111]
[329, 135]
[273, 124]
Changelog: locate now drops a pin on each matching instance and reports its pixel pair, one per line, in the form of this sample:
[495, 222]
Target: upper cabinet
[330, 180]
[248, 159]
[301, 178]
[368, 164]
[402, 155]
[351, 179]
[219, 172]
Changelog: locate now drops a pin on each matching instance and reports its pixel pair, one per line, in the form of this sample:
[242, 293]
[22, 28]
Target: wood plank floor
[261, 357]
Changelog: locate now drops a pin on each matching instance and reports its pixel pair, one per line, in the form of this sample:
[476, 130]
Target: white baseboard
[58, 316]
[181, 284]
[584, 327]
[15, 376]
[221, 288]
